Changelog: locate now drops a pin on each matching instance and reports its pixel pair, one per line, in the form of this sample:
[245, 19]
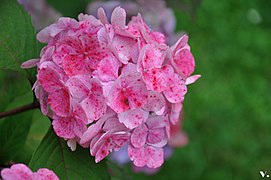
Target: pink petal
[30, 63]
[63, 127]
[102, 152]
[182, 42]
[75, 65]
[112, 123]
[102, 16]
[150, 57]
[120, 139]
[137, 155]
[174, 117]
[155, 79]
[118, 18]
[184, 62]
[155, 121]
[16, 172]
[108, 69]
[128, 69]
[176, 89]
[92, 131]
[59, 102]
[94, 106]
[139, 136]
[47, 33]
[78, 86]
[192, 79]
[49, 77]
[155, 157]
[89, 18]
[157, 137]
[78, 112]
[128, 92]
[46, 174]
[43, 98]
[156, 101]
[133, 118]
[125, 48]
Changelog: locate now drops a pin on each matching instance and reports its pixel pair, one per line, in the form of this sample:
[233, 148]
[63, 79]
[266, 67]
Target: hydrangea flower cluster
[22, 172]
[106, 85]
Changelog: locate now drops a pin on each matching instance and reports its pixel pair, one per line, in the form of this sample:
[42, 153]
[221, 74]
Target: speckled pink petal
[157, 137]
[108, 69]
[49, 78]
[120, 139]
[128, 92]
[184, 62]
[125, 48]
[136, 90]
[79, 127]
[59, 102]
[155, 121]
[118, 18]
[150, 57]
[16, 172]
[133, 118]
[155, 157]
[176, 89]
[77, 86]
[78, 112]
[46, 174]
[102, 152]
[128, 69]
[156, 102]
[63, 127]
[75, 65]
[94, 106]
[155, 79]
[139, 136]
[92, 131]
[137, 155]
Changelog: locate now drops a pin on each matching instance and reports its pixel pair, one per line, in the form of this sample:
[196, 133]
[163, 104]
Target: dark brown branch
[19, 109]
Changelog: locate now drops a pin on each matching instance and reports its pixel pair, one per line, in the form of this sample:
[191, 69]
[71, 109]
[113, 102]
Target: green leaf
[17, 37]
[14, 131]
[70, 8]
[53, 153]
[39, 127]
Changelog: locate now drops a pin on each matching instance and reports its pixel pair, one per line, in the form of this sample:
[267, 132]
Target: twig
[19, 109]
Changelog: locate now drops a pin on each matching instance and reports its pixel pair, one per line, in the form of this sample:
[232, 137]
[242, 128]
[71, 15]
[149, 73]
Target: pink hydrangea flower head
[107, 85]
[22, 172]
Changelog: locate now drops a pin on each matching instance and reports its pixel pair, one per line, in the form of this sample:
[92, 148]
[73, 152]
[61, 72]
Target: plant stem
[18, 110]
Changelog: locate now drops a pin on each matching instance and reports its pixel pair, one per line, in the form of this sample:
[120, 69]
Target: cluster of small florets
[106, 85]
[22, 172]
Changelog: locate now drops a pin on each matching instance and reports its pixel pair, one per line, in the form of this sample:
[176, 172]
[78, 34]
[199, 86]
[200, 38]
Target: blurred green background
[227, 112]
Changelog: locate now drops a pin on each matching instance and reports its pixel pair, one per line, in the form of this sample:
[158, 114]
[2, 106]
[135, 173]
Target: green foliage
[14, 131]
[53, 153]
[17, 37]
